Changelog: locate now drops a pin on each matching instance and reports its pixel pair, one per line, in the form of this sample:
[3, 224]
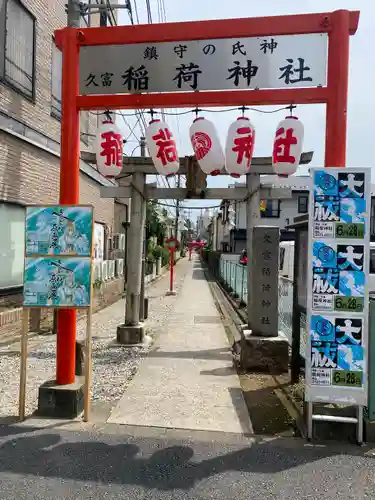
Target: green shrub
[165, 258]
[151, 258]
[157, 251]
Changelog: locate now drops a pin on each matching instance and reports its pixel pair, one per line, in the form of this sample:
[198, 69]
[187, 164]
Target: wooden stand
[23, 365]
[88, 366]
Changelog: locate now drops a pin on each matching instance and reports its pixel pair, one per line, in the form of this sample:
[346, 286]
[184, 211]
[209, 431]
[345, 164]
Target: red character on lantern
[244, 145]
[112, 148]
[287, 146]
[167, 151]
[282, 146]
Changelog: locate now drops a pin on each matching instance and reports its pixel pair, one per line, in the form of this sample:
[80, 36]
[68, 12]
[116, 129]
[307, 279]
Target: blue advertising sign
[338, 301]
[54, 282]
[59, 230]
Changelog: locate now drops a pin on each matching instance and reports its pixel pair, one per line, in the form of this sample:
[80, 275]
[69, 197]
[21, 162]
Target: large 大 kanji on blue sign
[337, 305]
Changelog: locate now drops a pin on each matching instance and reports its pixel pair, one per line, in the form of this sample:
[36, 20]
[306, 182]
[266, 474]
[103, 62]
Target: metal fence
[286, 314]
[286, 306]
[234, 276]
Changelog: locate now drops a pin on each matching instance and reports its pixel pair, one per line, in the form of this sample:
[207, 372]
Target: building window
[303, 204]
[271, 209]
[56, 80]
[12, 245]
[18, 53]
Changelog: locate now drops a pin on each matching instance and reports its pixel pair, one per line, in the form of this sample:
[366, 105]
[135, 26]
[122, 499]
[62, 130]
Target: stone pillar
[132, 331]
[267, 349]
[265, 281]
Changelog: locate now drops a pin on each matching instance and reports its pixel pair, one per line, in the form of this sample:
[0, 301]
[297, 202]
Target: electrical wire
[132, 129]
[136, 11]
[149, 12]
[138, 114]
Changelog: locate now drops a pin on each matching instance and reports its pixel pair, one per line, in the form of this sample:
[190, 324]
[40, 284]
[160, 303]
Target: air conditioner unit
[119, 241]
[116, 241]
[97, 270]
[105, 270]
[111, 269]
[119, 267]
[122, 241]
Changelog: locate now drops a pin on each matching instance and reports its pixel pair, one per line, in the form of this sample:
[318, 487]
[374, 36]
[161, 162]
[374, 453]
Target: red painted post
[69, 192]
[338, 78]
[171, 269]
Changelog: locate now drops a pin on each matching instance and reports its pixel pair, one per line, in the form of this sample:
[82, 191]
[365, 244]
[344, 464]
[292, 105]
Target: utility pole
[103, 14]
[177, 209]
[74, 14]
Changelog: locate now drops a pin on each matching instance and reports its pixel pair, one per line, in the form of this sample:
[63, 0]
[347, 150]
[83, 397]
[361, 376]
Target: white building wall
[288, 210]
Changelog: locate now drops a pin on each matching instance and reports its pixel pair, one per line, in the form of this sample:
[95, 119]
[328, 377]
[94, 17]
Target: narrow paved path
[187, 381]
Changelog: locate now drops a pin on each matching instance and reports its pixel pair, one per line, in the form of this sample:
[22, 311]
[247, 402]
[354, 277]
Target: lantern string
[152, 112]
[196, 111]
[291, 107]
[107, 114]
[243, 109]
[201, 110]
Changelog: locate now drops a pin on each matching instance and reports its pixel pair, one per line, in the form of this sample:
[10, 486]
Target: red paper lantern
[162, 148]
[287, 147]
[109, 149]
[207, 147]
[239, 147]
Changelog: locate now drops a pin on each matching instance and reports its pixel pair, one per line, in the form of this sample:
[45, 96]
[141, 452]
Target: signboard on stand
[58, 272]
[337, 286]
[55, 282]
[59, 230]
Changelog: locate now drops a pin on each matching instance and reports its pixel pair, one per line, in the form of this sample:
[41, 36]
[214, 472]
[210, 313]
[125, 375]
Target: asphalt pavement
[82, 461]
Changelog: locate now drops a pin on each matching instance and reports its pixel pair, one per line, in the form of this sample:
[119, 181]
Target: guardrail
[234, 275]
[286, 314]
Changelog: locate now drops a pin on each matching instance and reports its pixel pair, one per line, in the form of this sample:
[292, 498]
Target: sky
[361, 102]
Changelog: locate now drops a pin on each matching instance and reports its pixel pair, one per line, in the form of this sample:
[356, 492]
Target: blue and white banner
[337, 286]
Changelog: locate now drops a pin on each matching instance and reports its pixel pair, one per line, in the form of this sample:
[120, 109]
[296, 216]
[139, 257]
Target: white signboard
[287, 61]
[337, 286]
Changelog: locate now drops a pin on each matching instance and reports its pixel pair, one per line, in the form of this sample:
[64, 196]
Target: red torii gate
[339, 25]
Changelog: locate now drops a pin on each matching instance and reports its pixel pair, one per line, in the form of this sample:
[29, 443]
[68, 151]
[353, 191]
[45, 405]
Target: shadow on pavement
[168, 468]
[218, 354]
